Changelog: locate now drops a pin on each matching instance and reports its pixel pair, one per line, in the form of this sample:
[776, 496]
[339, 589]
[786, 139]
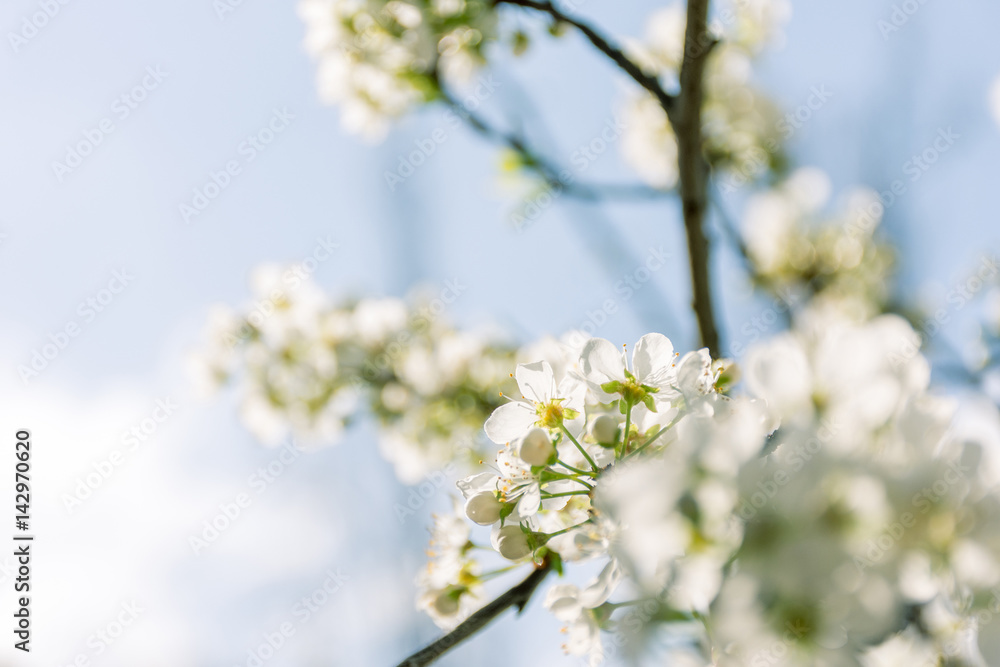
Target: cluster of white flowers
[380, 58]
[307, 367]
[742, 128]
[829, 516]
[801, 252]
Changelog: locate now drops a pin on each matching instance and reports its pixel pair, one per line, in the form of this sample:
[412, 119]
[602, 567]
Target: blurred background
[130, 463]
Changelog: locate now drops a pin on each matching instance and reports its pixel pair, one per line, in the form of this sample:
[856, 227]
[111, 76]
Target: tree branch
[553, 176]
[650, 83]
[693, 168]
[515, 597]
[684, 114]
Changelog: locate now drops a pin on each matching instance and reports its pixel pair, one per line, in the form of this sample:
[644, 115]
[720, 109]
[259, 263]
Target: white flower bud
[604, 429]
[513, 543]
[446, 604]
[483, 508]
[536, 449]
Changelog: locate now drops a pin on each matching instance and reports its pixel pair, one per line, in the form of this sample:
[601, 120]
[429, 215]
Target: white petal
[536, 381]
[528, 504]
[470, 486]
[602, 361]
[562, 601]
[510, 422]
[598, 592]
[652, 354]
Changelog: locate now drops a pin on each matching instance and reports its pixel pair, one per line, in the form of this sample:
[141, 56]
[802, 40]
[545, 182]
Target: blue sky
[220, 81]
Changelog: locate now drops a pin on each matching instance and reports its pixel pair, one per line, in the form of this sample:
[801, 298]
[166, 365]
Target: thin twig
[518, 597]
[604, 45]
[554, 177]
[693, 168]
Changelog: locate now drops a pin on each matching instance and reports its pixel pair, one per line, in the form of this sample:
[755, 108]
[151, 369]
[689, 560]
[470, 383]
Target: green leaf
[612, 387]
[505, 511]
[647, 400]
[556, 560]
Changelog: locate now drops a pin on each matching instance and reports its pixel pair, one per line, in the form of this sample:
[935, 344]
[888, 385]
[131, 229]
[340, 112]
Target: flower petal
[470, 486]
[536, 381]
[652, 354]
[602, 361]
[510, 422]
[600, 589]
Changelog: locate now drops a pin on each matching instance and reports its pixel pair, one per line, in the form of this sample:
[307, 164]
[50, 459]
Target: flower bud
[604, 429]
[446, 604]
[483, 508]
[536, 449]
[513, 543]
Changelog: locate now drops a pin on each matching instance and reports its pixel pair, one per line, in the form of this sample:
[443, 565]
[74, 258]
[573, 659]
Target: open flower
[543, 404]
[608, 376]
[577, 607]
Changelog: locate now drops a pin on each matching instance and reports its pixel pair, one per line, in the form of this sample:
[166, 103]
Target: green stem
[557, 475]
[627, 430]
[653, 438]
[576, 470]
[565, 493]
[580, 447]
[616, 605]
[502, 570]
[566, 530]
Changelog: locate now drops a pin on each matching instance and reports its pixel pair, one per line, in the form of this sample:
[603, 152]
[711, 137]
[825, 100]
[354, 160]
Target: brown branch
[516, 597]
[684, 113]
[693, 168]
[650, 83]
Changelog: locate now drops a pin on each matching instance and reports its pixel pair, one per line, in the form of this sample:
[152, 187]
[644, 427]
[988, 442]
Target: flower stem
[580, 447]
[566, 530]
[626, 432]
[565, 493]
[653, 438]
[576, 470]
[573, 478]
[502, 570]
